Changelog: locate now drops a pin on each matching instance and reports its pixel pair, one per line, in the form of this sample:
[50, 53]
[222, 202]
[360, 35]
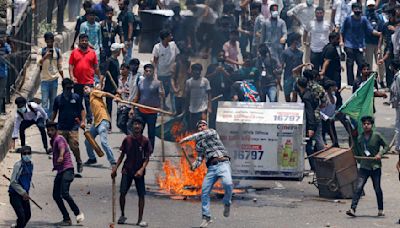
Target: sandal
[142, 224]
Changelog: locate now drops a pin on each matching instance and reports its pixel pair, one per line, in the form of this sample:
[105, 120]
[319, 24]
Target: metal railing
[20, 38]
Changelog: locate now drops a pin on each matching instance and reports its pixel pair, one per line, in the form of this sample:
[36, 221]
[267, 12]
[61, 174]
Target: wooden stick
[217, 97]
[162, 135]
[33, 201]
[368, 158]
[186, 156]
[141, 106]
[112, 80]
[113, 200]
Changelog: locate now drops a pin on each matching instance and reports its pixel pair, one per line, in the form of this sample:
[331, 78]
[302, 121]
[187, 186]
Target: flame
[179, 179]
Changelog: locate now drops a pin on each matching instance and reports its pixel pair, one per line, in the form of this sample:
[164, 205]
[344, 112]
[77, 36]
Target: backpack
[250, 93]
[30, 108]
[44, 50]
[395, 91]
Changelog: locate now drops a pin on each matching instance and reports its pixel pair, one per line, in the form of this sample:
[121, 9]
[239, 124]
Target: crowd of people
[255, 49]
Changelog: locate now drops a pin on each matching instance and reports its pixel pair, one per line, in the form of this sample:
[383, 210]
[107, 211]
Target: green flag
[361, 102]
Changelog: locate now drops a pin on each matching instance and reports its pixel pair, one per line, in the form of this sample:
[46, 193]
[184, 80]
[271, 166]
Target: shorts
[288, 86]
[126, 182]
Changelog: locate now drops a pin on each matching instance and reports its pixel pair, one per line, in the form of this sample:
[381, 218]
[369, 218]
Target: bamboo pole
[141, 106]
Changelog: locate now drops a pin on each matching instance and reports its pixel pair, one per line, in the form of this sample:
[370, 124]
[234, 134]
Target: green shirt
[373, 145]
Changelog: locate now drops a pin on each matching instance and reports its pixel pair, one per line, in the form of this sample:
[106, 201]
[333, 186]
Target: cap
[201, 122]
[116, 46]
[370, 2]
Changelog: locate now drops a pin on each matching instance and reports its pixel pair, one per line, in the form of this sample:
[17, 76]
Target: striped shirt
[208, 145]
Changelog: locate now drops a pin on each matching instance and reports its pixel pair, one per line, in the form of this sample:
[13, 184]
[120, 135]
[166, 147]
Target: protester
[87, 5]
[71, 116]
[371, 51]
[369, 144]
[223, 26]
[5, 50]
[164, 54]
[28, 114]
[292, 57]
[274, 33]
[353, 32]
[83, 64]
[340, 10]
[258, 26]
[269, 74]
[150, 93]
[100, 9]
[134, 78]
[50, 70]
[110, 76]
[312, 124]
[180, 72]
[100, 126]
[124, 91]
[395, 100]
[93, 30]
[198, 96]
[180, 28]
[232, 50]
[328, 113]
[138, 150]
[318, 30]
[20, 183]
[247, 28]
[62, 163]
[109, 30]
[210, 148]
[126, 21]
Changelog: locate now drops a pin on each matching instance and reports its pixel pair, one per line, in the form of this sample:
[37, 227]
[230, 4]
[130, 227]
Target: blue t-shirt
[354, 32]
[6, 49]
[100, 11]
[291, 59]
[377, 23]
[68, 110]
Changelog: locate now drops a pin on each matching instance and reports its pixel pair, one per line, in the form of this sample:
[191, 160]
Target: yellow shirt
[98, 107]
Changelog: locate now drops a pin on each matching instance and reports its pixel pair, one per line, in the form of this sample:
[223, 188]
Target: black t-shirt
[111, 65]
[334, 68]
[108, 33]
[124, 19]
[68, 110]
[137, 151]
[220, 84]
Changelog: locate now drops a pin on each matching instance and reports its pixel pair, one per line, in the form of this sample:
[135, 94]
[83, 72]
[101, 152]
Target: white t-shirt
[303, 13]
[166, 57]
[198, 90]
[343, 10]
[319, 33]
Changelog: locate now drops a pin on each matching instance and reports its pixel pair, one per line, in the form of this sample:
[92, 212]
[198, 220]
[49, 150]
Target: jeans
[102, 130]
[166, 82]
[221, 170]
[122, 119]
[179, 105]
[42, 128]
[22, 209]
[49, 93]
[363, 175]
[328, 126]
[128, 55]
[151, 120]
[317, 60]
[270, 92]
[109, 104]
[389, 72]
[397, 125]
[3, 86]
[62, 182]
[319, 145]
[78, 89]
[353, 55]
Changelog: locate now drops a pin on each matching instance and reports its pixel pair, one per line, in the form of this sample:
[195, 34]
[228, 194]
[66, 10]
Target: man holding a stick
[62, 163]
[19, 186]
[210, 147]
[100, 126]
[369, 145]
[137, 149]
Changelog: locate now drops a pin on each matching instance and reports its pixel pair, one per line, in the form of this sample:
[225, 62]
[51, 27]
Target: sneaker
[142, 224]
[13, 225]
[205, 222]
[90, 162]
[79, 167]
[80, 217]
[227, 209]
[351, 212]
[64, 223]
[122, 220]
[381, 213]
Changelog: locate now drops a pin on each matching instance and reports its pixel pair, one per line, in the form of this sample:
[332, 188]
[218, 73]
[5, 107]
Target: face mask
[26, 158]
[274, 14]
[357, 13]
[22, 110]
[310, 2]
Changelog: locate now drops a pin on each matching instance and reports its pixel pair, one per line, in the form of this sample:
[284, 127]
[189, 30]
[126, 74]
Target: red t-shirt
[83, 63]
